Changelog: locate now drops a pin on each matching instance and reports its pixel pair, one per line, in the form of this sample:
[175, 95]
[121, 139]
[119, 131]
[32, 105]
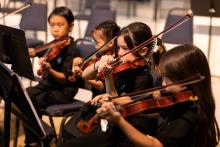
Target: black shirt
[177, 126]
[129, 81]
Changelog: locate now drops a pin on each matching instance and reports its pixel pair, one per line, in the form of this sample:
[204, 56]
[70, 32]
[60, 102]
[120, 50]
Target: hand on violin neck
[76, 70]
[99, 99]
[108, 111]
[31, 52]
[46, 66]
[77, 61]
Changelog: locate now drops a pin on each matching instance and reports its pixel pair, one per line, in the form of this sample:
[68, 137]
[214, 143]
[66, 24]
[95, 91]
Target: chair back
[85, 47]
[182, 34]
[34, 18]
[99, 15]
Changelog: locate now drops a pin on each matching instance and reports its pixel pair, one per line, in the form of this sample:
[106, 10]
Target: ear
[111, 44]
[71, 27]
[143, 51]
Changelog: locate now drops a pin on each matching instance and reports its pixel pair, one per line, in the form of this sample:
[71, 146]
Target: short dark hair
[109, 28]
[63, 11]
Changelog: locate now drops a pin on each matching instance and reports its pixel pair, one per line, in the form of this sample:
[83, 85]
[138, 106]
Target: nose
[55, 28]
[120, 52]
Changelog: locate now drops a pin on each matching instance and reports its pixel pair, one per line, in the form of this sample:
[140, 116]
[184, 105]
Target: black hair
[110, 29]
[182, 62]
[63, 11]
[137, 33]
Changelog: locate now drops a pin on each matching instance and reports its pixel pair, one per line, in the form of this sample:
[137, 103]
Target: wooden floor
[144, 14]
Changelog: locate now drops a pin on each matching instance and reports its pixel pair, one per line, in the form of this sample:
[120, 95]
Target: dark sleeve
[69, 55]
[178, 132]
[143, 81]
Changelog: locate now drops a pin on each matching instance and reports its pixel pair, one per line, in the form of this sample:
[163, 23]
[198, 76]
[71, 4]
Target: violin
[91, 59]
[147, 106]
[55, 48]
[129, 65]
[156, 105]
[51, 44]
[123, 66]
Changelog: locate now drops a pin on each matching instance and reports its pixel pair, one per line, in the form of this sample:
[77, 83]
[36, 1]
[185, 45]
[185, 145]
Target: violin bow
[17, 10]
[187, 81]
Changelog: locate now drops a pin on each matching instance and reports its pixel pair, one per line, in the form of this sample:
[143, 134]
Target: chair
[34, 20]
[55, 3]
[131, 6]
[99, 15]
[181, 34]
[66, 110]
[92, 5]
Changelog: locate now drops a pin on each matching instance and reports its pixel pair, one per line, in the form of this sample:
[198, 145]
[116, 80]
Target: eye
[51, 25]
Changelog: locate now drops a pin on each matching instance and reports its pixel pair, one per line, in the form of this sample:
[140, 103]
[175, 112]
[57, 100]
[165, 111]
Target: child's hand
[103, 64]
[108, 111]
[100, 99]
[77, 61]
[31, 52]
[77, 70]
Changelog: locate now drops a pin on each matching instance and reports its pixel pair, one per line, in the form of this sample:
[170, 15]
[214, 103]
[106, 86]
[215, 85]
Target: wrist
[119, 120]
[95, 67]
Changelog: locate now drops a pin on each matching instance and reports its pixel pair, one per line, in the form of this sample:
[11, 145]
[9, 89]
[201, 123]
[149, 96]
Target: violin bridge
[193, 98]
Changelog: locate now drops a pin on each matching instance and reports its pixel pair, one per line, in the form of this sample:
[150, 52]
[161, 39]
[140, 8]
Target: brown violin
[123, 66]
[52, 44]
[147, 106]
[53, 52]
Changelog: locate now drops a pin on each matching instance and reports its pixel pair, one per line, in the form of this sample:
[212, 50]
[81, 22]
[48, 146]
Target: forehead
[121, 41]
[98, 34]
[57, 19]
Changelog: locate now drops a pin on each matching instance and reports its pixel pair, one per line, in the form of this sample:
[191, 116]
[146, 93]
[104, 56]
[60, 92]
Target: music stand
[13, 50]
[18, 102]
[210, 8]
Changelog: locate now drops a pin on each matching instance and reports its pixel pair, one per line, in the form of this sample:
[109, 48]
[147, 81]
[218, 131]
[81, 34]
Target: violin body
[88, 121]
[124, 66]
[129, 65]
[155, 105]
[53, 52]
[87, 127]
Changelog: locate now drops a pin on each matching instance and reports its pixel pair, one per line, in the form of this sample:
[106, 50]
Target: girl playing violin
[103, 32]
[124, 82]
[188, 125]
[54, 88]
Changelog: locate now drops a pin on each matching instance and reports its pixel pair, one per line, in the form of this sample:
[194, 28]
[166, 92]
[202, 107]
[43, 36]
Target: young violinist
[102, 33]
[126, 81]
[184, 125]
[54, 88]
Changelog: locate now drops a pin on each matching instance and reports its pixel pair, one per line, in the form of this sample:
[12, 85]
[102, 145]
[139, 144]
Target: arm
[96, 84]
[58, 76]
[89, 73]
